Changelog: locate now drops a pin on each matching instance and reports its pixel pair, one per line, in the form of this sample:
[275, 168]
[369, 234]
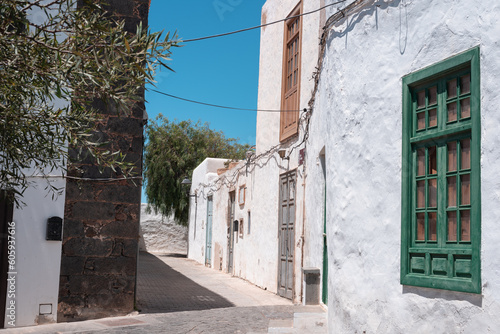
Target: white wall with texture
[358, 112]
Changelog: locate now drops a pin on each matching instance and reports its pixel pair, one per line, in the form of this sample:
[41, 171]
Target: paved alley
[168, 283]
[178, 295]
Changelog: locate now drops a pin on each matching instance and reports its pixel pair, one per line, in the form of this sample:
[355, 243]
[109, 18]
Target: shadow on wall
[473, 299]
[370, 10]
[161, 289]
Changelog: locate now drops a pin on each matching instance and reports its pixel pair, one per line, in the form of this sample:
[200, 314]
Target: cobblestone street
[177, 295]
[160, 288]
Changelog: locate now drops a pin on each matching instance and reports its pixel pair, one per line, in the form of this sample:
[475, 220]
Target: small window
[249, 220]
[241, 229]
[241, 195]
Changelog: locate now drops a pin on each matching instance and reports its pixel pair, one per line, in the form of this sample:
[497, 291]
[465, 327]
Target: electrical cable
[219, 106]
[234, 32]
[223, 180]
[104, 179]
[260, 26]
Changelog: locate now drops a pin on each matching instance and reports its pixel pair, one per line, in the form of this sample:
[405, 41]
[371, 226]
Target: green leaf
[126, 44]
[97, 61]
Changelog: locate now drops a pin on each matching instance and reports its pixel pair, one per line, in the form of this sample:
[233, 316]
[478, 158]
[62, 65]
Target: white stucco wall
[358, 115]
[159, 234]
[202, 175]
[265, 203]
[38, 261]
[256, 254]
[243, 244]
[248, 246]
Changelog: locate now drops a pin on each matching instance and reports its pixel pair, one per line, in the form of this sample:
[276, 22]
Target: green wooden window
[441, 204]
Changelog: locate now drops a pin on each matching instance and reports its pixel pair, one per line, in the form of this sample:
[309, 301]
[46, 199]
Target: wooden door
[286, 234]
[208, 247]
[230, 232]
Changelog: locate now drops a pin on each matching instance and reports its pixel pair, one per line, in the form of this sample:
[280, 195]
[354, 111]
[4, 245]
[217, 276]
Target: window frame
[242, 194]
[287, 131]
[443, 133]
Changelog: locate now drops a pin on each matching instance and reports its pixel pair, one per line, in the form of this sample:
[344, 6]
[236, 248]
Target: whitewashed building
[388, 183]
[30, 252]
[33, 267]
[408, 116]
[258, 221]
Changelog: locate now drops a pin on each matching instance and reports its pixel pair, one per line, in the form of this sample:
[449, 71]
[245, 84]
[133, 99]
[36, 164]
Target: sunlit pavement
[177, 295]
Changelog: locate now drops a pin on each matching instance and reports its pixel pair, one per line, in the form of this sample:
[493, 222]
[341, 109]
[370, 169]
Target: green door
[324, 294]
[208, 248]
[230, 233]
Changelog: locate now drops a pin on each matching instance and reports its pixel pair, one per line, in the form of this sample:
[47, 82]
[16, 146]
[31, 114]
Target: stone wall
[101, 220]
[159, 234]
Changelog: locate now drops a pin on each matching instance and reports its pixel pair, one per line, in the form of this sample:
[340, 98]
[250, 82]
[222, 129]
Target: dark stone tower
[101, 220]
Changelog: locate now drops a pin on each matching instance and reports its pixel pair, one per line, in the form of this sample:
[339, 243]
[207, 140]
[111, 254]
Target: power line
[97, 179]
[235, 32]
[262, 25]
[219, 106]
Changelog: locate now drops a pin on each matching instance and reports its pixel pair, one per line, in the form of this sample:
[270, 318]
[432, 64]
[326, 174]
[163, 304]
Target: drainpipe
[302, 236]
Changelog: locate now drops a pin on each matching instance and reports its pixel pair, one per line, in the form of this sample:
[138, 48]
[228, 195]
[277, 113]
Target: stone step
[307, 319]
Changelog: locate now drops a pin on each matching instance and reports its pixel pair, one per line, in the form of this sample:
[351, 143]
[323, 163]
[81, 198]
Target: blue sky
[220, 71]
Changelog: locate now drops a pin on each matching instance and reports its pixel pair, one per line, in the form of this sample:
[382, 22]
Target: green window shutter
[441, 203]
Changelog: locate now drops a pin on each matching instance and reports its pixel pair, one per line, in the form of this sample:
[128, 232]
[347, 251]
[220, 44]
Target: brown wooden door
[286, 236]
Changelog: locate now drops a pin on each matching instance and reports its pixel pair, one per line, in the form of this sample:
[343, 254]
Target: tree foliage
[173, 151]
[55, 60]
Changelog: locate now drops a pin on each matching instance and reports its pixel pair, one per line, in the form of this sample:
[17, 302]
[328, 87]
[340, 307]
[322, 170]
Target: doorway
[230, 232]
[286, 234]
[324, 280]
[208, 239]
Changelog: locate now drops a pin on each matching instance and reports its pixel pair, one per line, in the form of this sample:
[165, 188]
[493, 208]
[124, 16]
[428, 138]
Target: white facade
[37, 260]
[33, 288]
[256, 253]
[354, 151]
[358, 117]
[265, 205]
[32, 297]
[212, 181]
[203, 174]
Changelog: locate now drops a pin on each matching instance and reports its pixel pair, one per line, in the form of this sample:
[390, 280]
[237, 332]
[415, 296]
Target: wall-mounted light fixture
[187, 181]
[282, 154]
[195, 195]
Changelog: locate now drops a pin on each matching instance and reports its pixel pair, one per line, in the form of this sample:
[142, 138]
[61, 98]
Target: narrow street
[177, 295]
[169, 283]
